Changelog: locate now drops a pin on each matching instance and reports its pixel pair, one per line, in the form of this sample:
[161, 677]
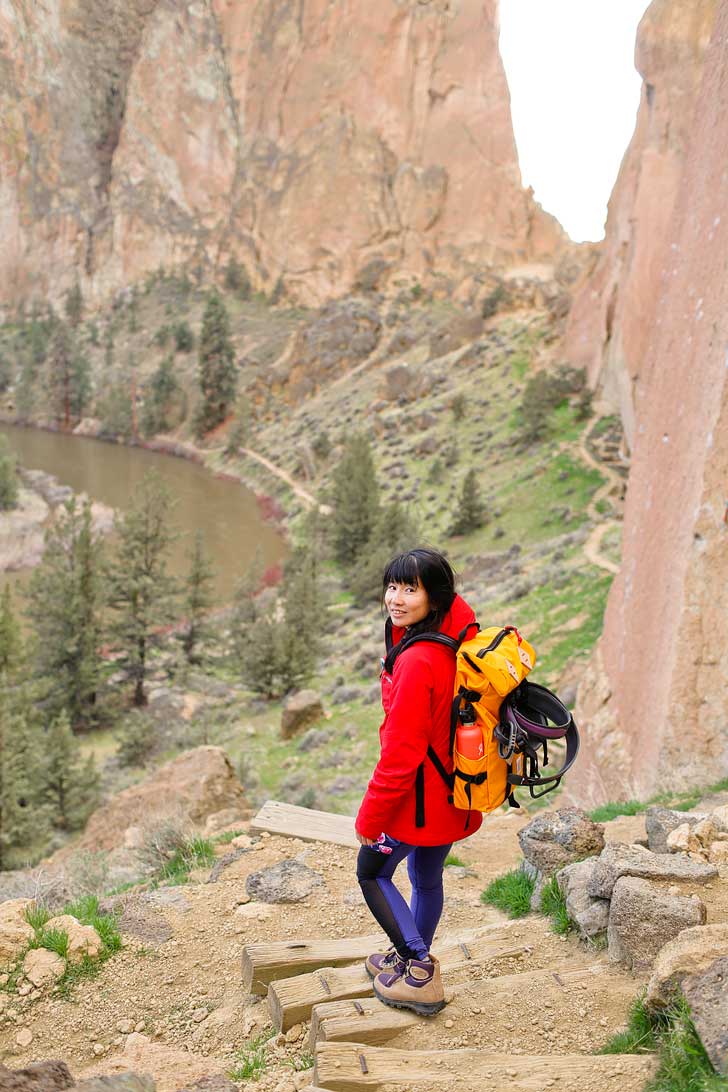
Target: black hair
[434, 572]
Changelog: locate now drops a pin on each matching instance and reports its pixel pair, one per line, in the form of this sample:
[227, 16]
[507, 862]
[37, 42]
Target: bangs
[402, 570]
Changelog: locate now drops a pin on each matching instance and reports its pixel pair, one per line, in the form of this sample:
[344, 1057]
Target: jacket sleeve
[406, 734]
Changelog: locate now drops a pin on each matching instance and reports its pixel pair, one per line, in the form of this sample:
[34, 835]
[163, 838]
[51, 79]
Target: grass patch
[453, 859]
[252, 1059]
[510, 893]
[605, 812]
[55, 940]
[226, 837]
[197, 853]
[303, 1061]
[553, 904]
[684, 1065]
[676, 801]
[36, 916]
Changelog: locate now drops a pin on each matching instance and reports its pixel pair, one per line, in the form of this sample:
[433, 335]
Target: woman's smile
[406, 604]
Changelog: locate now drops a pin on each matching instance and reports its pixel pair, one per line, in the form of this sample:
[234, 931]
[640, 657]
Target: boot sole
[422, 1008]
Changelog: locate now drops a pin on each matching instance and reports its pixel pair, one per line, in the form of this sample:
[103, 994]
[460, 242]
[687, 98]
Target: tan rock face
[310, 139]
[42, 967]
[15, 932]
[666, 624]
[610, 324]
[83, 940]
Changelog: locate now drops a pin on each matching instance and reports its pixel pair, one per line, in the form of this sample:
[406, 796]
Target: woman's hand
[362, 840]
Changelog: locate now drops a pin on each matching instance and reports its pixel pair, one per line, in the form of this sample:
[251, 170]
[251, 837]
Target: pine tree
[68, 377]
[141, 590]
[161, 395]
[70, 785]
[217, 370]
[355, 500]
[197, 599]
[64, 604]
[303, 619]
[21, 818]
[395, 530]
[11, 646]
[256, 633]
[471, 512]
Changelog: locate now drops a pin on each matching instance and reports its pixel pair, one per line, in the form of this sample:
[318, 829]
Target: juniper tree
[22, 819]
[64, 605]
[140, 589]
[11, 647]
[197, 599]
[68, 376]
[256, 633]
[303, 625]
[69, 784]
[395, 530]
[217, 370]
[162, 392]
[8, 477]
[471, 511]
[355, 498]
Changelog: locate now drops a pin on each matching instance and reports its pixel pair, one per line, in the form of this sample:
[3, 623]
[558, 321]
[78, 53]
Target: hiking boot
[418, 986]
[379, 962]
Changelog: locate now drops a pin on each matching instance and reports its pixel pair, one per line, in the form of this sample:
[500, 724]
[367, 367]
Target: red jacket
[417, 698]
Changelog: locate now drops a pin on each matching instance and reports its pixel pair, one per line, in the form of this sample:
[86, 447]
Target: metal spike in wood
[290, 1000]
[307, 824]
[263, 963]
[338, 1068]
[372, 1022]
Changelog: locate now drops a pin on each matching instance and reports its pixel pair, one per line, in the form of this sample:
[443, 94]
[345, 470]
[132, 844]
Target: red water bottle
[468, 735]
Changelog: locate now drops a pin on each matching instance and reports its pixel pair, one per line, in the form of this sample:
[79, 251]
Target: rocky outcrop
[652, 707]
[610, 323]
[323, 146]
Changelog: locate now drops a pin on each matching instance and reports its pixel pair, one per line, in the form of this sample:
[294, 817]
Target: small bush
[184, 339]
[510, 893]
[198, 853]
[553, 904]
[8, 477]
[494, 300]
[453, 859]
[55, 940]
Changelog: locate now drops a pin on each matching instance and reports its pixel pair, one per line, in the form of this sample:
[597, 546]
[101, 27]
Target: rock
[225, 819]
[691, 952]
[720, 818]
[620, 859]
[37, 1077]
[119, 1082]
[215, 1082]
[558, 838]
[42, 967]
[659, 822]
[313, 738]
[24, 1037]
[342, 335]
[286, 881]
[682, 840]
[399, 381]
[300, 710]
[172, 898]
[187, 790]
[589, 914]
[15, 932]
[642, 918]
[707, 995]
[718, 853]
[83, 940]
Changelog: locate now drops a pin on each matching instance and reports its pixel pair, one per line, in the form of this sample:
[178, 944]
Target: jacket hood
[459, 615]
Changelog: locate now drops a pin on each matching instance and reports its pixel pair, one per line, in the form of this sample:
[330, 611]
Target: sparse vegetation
[553, 904]
[510, 893]
[252, 1058]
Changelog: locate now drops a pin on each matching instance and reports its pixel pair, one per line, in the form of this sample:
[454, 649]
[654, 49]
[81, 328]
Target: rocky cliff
[319, 142]
[654, 704]
[610, 323]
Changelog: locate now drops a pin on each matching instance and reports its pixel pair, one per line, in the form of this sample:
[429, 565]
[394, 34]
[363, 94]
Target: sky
[574, 96]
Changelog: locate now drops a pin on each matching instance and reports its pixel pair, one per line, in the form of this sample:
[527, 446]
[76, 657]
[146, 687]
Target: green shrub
[510, 893]
[8, 477]
[184, 339]
[251, 1059]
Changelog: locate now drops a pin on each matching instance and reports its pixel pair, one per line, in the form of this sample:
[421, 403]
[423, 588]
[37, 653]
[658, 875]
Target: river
[227, 513]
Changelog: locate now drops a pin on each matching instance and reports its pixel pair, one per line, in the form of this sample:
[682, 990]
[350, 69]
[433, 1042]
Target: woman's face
[406, 604]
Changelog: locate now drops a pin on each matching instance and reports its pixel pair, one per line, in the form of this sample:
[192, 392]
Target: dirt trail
[613, 483]
[308, 499]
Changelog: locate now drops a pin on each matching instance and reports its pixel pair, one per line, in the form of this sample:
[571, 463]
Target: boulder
[83, 940]
[643, 917]
[119, 1082]
[37, 1077]
[301, 709]
[693, 951]
[682, 840]
[172, 1067]
[707, 995]
[15, 932]
[620, 859]
[590, 915]
[659, 822]
[43, 968]
[191, 787]
[287, 881]
[718, 853]
[399, 381]
[551, 841]
[720, 818]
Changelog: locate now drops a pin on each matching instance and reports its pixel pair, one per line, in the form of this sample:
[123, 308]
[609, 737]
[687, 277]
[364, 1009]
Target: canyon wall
[323, 142]
[654, 705]
[610, 323]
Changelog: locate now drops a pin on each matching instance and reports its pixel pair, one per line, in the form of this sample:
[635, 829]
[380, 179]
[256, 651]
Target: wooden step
[369, 1021]
[305, 823]
[290, 1000]
[263, 963]
[348, 1067]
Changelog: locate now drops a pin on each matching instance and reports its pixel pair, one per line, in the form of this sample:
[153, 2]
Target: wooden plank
[290, 1000]
[306, 823]
[263, 963]
[349, 1067]
[368, 1021]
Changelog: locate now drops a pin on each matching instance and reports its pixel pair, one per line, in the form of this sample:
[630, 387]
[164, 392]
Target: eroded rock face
[326, 145]
[653, 711]
[551, 841]
[642, 918]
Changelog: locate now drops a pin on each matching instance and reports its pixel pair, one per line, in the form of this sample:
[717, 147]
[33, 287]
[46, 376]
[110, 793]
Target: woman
[405, 811]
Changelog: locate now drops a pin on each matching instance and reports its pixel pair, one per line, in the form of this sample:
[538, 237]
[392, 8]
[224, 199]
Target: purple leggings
[410, 928]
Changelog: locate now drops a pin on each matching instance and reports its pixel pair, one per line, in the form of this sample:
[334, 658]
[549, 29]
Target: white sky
[574, 97]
